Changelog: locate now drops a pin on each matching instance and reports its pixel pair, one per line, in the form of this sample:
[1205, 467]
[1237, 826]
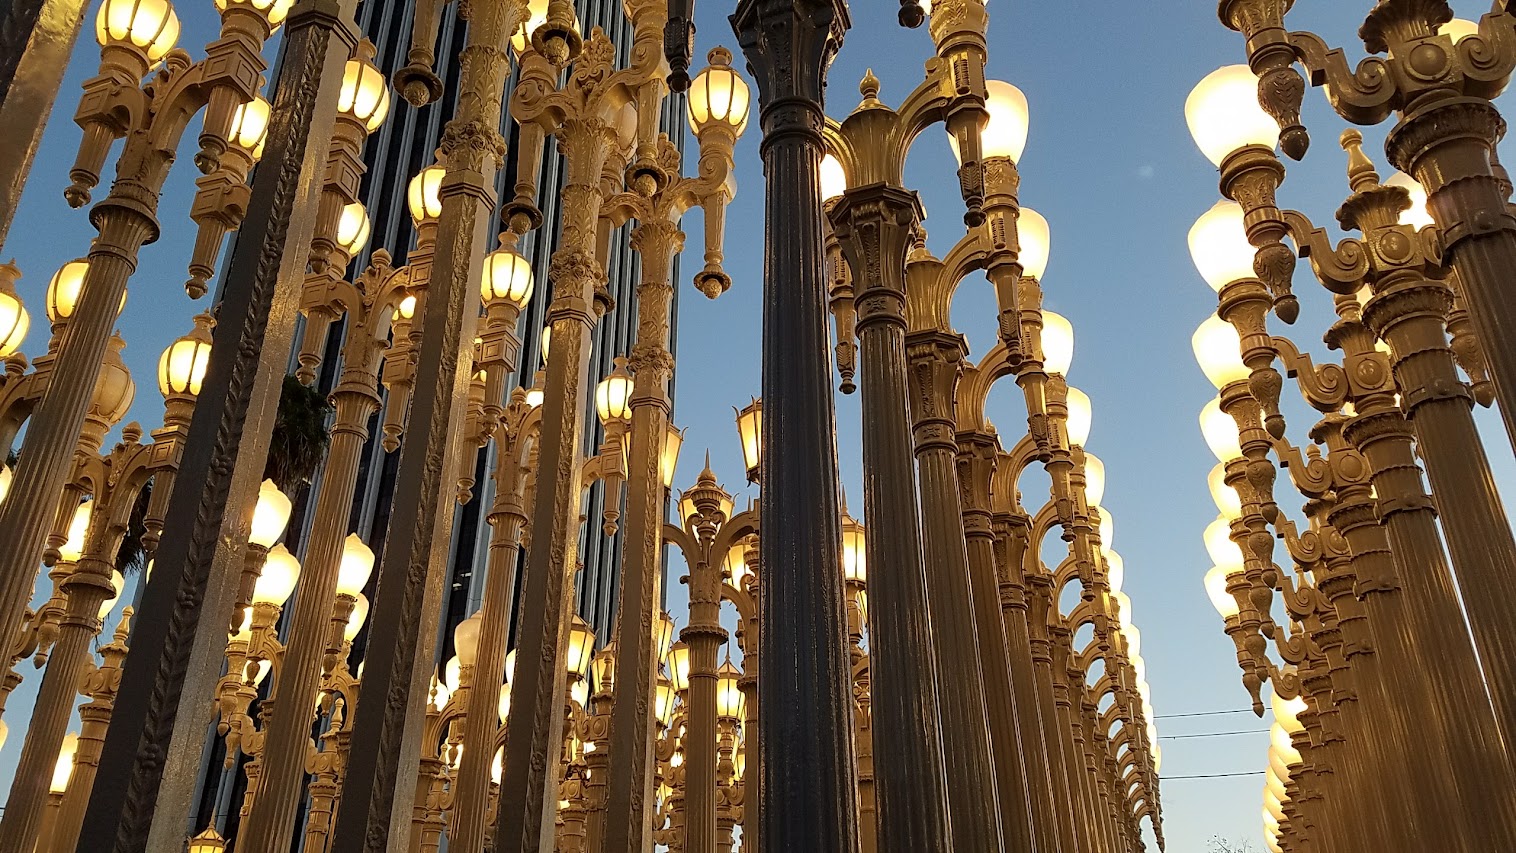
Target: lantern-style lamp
[507, 278]
[64, 767]
[181, 368]
[665, 633]
[354, 568]
[148, 28]
[673, 441]
[353, 228]
[1224, 114]
[663, 701]
[613, 396]
[424, 194]
[365, 93]
[250, 126]
[750, 430]
[581, 646]
[64, 288]
[734, 566]
[14, 319]
[78, 528]
[854, 559]
[679, 666]
[718, 96]
[729, 698]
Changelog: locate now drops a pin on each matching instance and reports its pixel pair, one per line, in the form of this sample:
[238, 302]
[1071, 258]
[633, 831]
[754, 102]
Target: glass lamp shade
[365, 93]
[663, 700]
[719, 96]
[687, 509]
[735, 564]
[1219, 545]
[270, 516]
[64, 289]
[1123, 607]
[1107, 526]
[114, 388]
[1272, 783]
[507, 276]
[273, 11]
[1287, 712]
[281, 571]
[1224, 114]
[250, 125]
[668, 462]
[149, 26]
[6, 475]
[536, 16]
[510, 665]
[452, 675]
[1133, 640]
[679, 666]
[78, 527]
[1215, 589]
[1459, 29]
[1419, 214]
[1219, 245]
[729, 699]
[1277, 764]
[1005, 134]
[1081, 416]
[118, 583]
[665, 633]
[613, 396]
[424, 194]
[14, 321]
[833, 178]
[1115, 569]
[1228, 502]
[580, 648]
[1270, 820]
[354, 568]
[503, 708]
[854, 558]
[545, 342]
[466, 638]
[181, 368]
[1036, 239]
[1220, 432]
[64, 767]
[353, 228]
[356, 619]
[1218, 349]
[1140, 669]
[1057, 343]
[1094, 479]
[405, 309]
[209, 841]
[1279, 738]
[750, 431]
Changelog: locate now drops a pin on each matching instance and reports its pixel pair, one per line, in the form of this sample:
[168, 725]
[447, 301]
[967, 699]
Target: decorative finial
[870, 86]
[1361, 174]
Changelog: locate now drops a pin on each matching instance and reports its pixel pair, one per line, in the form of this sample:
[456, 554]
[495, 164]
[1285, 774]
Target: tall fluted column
[807, 792]
[94, 718]
[928, 699]
[1065, 790]
[977, 655]
[627, 814]
[151, 759]
[288, 736]
[40, 35]
[704, 635]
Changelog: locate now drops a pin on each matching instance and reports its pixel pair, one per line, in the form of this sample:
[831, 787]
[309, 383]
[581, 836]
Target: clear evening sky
[1110, 164]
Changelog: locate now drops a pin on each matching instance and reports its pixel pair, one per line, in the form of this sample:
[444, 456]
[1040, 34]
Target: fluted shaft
[700, 749]
[1064, 793]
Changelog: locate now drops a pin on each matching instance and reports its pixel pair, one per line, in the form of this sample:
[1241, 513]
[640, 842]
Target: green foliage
[132, 555]
[300, 435]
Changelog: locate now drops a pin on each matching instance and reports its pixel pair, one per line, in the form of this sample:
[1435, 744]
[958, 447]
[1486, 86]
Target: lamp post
[718, 112]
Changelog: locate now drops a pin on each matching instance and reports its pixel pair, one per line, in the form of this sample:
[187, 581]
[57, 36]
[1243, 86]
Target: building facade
[404, 145]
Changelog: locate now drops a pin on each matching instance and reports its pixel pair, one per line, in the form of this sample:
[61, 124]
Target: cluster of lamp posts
[1357, 625]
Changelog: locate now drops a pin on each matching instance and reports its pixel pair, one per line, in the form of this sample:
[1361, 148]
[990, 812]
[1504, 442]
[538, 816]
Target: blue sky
[1109, 163]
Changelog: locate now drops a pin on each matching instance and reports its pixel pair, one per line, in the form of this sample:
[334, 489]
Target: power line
[1203, 714]
[1214, 734]
[1213, 776]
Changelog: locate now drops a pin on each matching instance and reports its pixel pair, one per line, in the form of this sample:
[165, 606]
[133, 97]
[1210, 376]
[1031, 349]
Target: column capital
[789, 45]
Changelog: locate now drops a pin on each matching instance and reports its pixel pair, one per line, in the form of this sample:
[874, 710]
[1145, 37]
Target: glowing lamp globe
[353, 228]
[1057, 343]
[466, 638]
[510, 665]
[1218, 349]
[149, 27]
[118, 583]
[1219, 545]
[365, 93]
[854, 558]
[665, 637]
[6, 475]
[73, 544]
[679, 666]
[668, 461]
[1115, 569]
[209, 841]
[1036, 239]
[250, 126]
[1094, 479]
[1287, 712]
[1133, 639]
[1220, 432]
[354, 568]
[1107, 526]
[64, 767]
[1419, 214]
[356, 619]
[718, 96]
[270, 516]
[613, 396]
[281, 571]
[581, 647]
[1228, 502]
[452, 674]
[1081, 416]
[181, 368]
[507, 277]
[734, 565]
[1123, 608]
[1459, 29]
[729, 698]
[424, 194]
[272, 11]
[14, 319]
[1215, 588]
[750, 431]
[1219, 246]
[663, 701]
[1005, 134]
[536, 16]
[64, 289]
[1224, 114]
[503, 708]
[833, 178]
[1279, 739]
